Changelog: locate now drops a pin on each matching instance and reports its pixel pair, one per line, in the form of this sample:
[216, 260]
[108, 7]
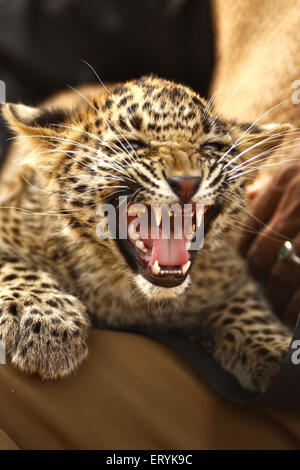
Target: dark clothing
[42, 44]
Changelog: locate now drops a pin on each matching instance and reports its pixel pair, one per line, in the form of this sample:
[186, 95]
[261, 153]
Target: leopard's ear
[265, 139]
[36, 122]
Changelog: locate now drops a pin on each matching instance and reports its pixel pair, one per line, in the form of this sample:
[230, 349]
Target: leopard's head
[155, 143]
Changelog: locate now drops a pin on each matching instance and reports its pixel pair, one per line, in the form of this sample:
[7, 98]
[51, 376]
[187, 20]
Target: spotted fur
[55, 272]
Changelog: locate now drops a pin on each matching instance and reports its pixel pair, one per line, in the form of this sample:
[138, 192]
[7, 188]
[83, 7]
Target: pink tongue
[170, 252]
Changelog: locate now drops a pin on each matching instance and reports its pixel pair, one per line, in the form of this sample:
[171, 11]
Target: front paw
[256, 369]
[44, 335]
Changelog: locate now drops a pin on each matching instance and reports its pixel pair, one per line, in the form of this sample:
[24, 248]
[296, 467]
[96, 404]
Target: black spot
[13, 309]
[36, 327]
[81, 188]
[206, 124]
[31, 277]
[24, 352]
[133, 107]
[246, 125]
[10, 277]
[123, 101]
[77, 203]
[244, 359]
[35, 311]
[108, 104]
[263, 352]
[28, 322]
[146, 106]
[48, 117]
[237, 310]
[229, 337]
[136, 122]
[174, 94]
[52, 303]
[257, 306]
[196, 101]
[123, 123]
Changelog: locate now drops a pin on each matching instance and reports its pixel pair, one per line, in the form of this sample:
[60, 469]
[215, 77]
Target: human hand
[275, 219]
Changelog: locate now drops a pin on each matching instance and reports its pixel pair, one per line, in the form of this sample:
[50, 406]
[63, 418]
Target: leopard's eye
[215, 146]
[129, 145]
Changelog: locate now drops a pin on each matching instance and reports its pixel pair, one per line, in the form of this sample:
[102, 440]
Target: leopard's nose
[185, 187]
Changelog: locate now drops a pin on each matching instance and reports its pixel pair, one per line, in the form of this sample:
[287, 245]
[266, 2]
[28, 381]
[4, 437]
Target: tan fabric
[133, 393]
[257, 59]
[6, 443]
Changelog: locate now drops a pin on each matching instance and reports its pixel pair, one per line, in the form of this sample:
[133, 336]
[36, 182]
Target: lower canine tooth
[155, 268]
[185, 267]
[190, 236]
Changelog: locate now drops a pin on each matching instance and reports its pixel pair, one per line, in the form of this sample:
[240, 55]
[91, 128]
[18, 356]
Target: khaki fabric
[133, 393]
[6, 443]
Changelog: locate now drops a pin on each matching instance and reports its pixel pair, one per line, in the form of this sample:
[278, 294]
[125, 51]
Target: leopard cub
[155, 143]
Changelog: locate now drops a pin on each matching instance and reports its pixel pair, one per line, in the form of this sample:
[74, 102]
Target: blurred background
[43, 44]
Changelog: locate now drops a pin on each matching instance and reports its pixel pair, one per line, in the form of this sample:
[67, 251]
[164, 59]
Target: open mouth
[161, 244]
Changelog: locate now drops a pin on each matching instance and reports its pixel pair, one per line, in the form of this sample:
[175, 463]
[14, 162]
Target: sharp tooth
[190, 236]
[132, 232]
[185, 267]
[132, 210]
[156, 268]
[157, 213]
[199, 215]
[141, 246]
[188, 245]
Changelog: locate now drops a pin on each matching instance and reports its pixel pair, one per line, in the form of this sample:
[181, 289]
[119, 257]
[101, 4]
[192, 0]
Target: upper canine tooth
[188, 245]
[141, 246]
[185, 267]
[157, 213]
[132, 232]
[155, 268]
[199, 215]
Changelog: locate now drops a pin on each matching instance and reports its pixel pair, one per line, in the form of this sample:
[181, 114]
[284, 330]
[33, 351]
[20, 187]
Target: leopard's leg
[43, 329]
[247, 339]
